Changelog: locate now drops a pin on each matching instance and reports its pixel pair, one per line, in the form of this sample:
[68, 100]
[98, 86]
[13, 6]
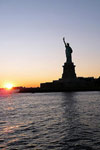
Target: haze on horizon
[31, 46]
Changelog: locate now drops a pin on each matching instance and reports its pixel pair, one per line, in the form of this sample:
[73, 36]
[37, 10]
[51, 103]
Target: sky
[31, 46]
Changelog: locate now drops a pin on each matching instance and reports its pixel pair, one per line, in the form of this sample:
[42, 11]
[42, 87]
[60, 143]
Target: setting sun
[8, 86]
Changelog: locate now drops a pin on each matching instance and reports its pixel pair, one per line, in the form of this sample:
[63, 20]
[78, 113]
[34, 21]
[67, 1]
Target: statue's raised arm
[64, 41]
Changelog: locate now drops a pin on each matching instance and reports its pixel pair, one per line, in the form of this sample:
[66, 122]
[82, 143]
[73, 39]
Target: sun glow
[8, 86]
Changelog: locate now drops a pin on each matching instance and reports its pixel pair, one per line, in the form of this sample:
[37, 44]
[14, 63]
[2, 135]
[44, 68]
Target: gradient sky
[31, 46]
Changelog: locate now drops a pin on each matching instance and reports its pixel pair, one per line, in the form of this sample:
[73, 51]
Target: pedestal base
[68, 71]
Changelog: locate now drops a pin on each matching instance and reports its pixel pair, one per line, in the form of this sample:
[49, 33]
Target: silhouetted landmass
[80, 84]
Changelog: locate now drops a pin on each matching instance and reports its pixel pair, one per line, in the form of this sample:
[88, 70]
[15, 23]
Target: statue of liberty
[68, 52]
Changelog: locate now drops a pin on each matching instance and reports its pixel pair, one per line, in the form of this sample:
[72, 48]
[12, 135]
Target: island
[69, 80]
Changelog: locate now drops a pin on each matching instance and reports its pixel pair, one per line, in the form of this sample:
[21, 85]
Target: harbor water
[50, 121]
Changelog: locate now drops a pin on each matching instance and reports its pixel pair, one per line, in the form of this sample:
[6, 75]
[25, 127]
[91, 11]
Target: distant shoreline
[79, 84]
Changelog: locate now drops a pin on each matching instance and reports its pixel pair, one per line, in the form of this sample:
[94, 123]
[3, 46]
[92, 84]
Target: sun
[8, 86]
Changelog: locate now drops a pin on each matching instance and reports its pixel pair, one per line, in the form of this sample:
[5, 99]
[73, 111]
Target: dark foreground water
[55, 121]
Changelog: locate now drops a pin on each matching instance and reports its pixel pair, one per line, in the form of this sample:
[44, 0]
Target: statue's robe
[68, 54]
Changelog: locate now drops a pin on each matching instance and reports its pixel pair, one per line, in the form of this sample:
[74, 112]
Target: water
[50, 121]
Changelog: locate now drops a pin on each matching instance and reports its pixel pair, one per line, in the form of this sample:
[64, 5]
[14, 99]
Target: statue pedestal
[68, 71]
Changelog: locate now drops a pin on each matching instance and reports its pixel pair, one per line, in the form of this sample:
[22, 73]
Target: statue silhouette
[68, 52]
